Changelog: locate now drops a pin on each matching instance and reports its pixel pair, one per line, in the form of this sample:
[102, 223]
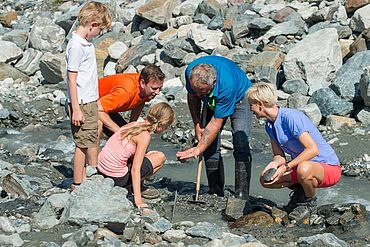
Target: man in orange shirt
[125, 92]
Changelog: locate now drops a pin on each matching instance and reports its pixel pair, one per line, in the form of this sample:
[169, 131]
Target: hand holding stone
[267, 176]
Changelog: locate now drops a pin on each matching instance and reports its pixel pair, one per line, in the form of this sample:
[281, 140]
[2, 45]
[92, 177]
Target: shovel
[200, 158]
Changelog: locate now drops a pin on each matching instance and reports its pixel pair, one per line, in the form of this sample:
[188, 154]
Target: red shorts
[332, 175]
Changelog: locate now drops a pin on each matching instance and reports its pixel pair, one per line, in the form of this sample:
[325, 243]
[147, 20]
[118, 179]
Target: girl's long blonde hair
[160, 115]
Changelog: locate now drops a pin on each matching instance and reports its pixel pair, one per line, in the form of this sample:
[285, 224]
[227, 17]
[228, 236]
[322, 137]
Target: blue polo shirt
[230, 87]
[287, 128]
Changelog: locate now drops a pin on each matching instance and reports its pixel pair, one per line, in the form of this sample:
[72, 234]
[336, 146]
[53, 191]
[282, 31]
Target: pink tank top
[112, 160]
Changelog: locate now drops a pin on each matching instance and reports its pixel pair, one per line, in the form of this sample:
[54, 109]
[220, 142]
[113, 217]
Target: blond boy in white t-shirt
[82, 86]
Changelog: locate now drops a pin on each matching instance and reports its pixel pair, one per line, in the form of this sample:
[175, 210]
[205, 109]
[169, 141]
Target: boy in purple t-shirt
[314, 163]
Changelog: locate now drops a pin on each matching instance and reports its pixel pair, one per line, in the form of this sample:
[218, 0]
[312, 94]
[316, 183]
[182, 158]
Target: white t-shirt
[80, 56]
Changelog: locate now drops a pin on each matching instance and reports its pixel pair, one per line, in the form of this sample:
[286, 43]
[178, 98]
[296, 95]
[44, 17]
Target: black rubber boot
[216, 176]
[243, 178]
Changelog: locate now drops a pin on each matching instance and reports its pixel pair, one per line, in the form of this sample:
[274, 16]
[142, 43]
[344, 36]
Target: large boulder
[9, 51]
[346, 83]
[53, 67]
[97, 201]
[361, 19]
[316, 59]
[158, 11]
[30, 61]
[207, 40]
[8, 71]
[45, 35]
[134, 54]
[329, 103]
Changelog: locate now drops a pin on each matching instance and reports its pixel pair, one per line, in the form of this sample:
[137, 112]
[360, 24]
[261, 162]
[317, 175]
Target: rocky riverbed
[315, 52]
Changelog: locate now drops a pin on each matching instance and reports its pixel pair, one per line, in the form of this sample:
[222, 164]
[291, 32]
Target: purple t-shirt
[287, 128]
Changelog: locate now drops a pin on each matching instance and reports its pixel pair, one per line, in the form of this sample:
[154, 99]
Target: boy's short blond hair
[95, 12]
[262, 92]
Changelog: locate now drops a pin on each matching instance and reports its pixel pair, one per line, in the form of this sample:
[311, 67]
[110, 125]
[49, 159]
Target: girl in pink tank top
[125, 154]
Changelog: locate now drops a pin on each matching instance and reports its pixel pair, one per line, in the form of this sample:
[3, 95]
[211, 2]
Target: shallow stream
[350, 189]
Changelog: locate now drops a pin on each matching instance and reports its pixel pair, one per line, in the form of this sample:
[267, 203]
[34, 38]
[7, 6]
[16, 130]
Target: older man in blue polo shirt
[221, 85]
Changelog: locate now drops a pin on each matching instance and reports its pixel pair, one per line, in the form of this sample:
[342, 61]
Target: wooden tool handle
[199, 174]
[200, 158]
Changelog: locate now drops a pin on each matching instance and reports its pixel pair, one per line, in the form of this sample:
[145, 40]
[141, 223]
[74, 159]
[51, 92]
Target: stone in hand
[267, 176]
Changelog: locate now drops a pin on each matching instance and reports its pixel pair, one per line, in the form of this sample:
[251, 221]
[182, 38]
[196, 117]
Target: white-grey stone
[281, 95]
[4, 113]
[364, 116]
[158, 11]
[48, 216]
[337, 122]
[12, 240]
[285, 28]
[18, 37]
[116, 49]
[130, 69]
[88, 203]
[9, 51]
[297, 100]
[184, 31]
[312, 111]
[53, 67]
[58, 96]
[189, 7]
[295, 86]
[148, 59]
[5, 225]
[269, 8]
[205, 229]
[307, 11]
[70, 243]
[171, 83]
[207, 40]
[180, 21]
[324, 13]
[21, 225]
[126, 15]
[45, 35]
[325, 239]
[110, 68]
[361, 19]
[29, 63]
[159, 226]
[174, 236]
[341, 15]
[316, 59]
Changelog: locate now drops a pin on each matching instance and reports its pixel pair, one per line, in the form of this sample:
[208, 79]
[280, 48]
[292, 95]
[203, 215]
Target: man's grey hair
[202, 74]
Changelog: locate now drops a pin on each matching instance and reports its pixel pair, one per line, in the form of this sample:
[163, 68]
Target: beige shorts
[86, 135]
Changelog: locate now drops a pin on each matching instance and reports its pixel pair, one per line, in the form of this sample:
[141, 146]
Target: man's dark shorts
[146, 170]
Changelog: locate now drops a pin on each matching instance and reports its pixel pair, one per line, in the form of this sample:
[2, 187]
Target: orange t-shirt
[119, 93]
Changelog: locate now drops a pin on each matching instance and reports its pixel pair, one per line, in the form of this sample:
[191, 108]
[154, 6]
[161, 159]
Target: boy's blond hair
[262, 92]
[95, 11]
